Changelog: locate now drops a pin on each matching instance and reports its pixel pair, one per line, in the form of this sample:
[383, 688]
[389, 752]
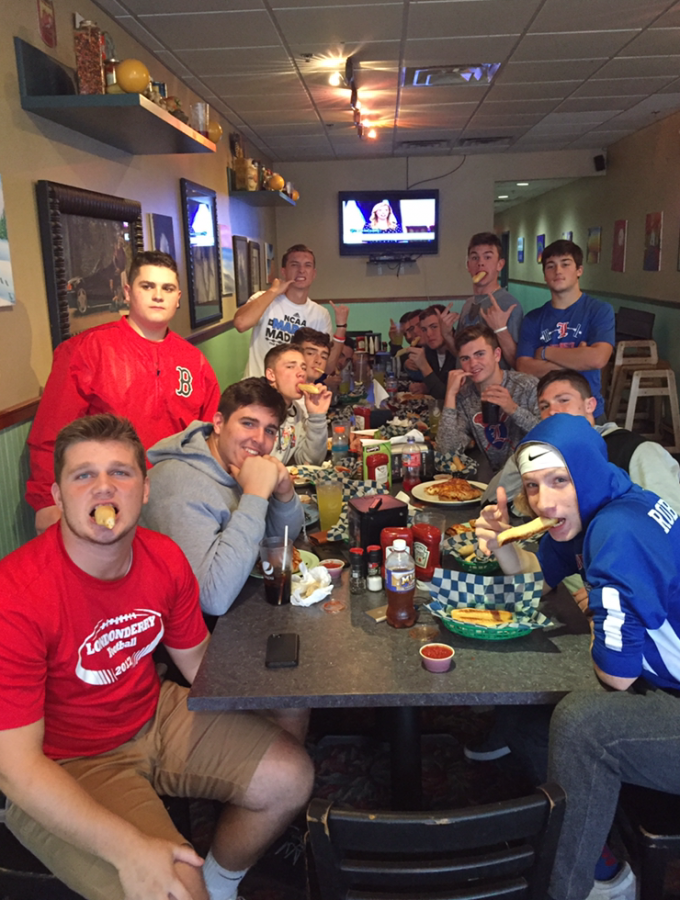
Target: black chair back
[501, 850]
[634, 324]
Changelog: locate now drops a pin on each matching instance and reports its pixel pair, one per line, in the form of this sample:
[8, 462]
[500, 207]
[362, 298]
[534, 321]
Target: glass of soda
[277, 557]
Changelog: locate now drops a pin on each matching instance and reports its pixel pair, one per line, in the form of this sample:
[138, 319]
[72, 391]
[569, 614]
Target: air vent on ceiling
[483, 141]
[425, 145]
[436, 76]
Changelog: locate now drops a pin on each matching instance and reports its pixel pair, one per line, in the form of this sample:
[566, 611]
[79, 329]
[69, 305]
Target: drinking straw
[283, 564]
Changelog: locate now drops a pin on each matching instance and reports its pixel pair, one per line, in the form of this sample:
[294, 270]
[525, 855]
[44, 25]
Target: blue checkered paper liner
[519, 594]
[443, 462]
[350, 489]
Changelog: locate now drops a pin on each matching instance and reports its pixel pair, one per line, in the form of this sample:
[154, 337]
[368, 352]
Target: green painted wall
[227, 353]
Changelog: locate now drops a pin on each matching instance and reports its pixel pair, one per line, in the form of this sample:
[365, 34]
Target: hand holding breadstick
[492, 521]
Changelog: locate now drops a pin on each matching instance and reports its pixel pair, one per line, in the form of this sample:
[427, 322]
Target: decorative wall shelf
[263, 198]
[129, 122]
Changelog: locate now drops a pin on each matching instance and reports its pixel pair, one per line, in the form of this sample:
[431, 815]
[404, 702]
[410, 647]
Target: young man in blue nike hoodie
[625, 542]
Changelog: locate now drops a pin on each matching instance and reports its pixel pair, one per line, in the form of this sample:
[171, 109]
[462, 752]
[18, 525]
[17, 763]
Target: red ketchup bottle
[426, 544]
[378, 469]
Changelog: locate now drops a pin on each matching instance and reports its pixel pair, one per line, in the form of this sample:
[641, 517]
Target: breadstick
[528, 530]
[478, 277]
[310, 388]
[490, 618]
[105, 515]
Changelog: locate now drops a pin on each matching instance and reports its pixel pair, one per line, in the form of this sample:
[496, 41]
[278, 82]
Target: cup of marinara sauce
[437, 657]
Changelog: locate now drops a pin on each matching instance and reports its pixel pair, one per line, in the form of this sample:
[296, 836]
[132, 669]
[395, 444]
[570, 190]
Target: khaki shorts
[179, 753]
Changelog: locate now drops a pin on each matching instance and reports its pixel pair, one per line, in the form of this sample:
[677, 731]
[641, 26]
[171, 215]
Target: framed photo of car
[88, 242]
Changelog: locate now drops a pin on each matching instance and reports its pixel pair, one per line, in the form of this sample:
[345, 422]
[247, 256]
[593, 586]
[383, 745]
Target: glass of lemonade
[329, 498]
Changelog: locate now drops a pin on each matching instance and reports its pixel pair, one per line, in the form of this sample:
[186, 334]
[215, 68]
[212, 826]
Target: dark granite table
[347, 659]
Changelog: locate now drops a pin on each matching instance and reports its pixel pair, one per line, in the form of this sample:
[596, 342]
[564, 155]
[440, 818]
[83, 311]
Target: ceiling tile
[432, 18]
[613, 105]
[501, 121]
[341, 23]
[445, 93]
[641, 67]
[671, 88]
[159, 7]
[501, 107]
[273, 60]
[444, 51]
[253, 83]
[536, 72]
[302, 130]
[175, 65]
[145, 36]
[551, 90]
[112, 8]
[671, 19]
[571, 45]
[616, 87]
[654, 42]
[267, 102]
[263, 117]
[250, 28]
[558, 15]
[651, 107]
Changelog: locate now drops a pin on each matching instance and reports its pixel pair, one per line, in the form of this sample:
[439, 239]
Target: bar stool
[656, 383]
[629, 356]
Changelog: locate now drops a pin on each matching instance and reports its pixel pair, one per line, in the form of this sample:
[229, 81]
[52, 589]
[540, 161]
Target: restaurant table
[349, 660]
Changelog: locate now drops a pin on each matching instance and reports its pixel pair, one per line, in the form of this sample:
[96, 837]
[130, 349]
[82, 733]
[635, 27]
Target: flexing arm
[147, 867]
[248, 316]
[341, 313]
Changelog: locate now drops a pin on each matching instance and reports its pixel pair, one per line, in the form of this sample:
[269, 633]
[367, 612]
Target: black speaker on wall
[599, 162]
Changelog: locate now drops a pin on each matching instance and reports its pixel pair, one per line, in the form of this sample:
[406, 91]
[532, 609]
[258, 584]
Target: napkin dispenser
[367, 516]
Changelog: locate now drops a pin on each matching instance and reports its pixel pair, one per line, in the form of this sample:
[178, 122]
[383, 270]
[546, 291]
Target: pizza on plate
[454, 490]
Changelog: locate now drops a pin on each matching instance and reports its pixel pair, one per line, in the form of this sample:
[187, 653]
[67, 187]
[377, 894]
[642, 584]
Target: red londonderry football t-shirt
[76, 651]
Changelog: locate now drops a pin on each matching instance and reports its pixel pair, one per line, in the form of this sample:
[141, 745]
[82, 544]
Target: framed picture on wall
[253, 266]
[270, 263]
[594, 246]
[540, 247]
[88, 242]
[199, 216]
[619, 245]
[227, 253]
[520, 250]
[241, 265]
[162, 234]
[653, 227]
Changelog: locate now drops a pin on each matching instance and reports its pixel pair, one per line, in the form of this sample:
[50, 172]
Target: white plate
[419, 493]
[309, 559]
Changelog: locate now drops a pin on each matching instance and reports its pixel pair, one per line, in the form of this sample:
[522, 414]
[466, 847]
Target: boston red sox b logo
[186, 380]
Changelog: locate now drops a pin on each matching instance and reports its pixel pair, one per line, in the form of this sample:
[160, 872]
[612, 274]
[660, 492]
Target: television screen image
[389, 222]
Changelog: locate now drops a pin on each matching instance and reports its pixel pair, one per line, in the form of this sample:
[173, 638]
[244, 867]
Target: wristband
[341, 326]
[339, 340]
[543, 349]
[498, 330]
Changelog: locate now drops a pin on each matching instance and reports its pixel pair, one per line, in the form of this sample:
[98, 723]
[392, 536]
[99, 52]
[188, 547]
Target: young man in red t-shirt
[89, 736]
[135, 367]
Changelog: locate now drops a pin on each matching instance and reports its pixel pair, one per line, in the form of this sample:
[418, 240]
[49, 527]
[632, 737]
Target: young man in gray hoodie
[217, 491]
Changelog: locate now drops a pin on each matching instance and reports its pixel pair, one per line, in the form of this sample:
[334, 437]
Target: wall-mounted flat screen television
[389, 223]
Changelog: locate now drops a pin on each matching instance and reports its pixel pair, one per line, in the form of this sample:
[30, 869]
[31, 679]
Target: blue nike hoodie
[628, 554]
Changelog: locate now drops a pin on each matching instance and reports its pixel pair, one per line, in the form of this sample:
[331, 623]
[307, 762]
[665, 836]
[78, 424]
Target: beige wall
[643, 176]
[466, 206]
[32, 148]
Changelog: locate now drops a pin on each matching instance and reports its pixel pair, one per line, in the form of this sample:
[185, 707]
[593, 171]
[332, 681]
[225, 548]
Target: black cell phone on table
[283, 650]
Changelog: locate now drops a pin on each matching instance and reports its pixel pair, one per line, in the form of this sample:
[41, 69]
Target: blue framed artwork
[520, 249]
[540, 247]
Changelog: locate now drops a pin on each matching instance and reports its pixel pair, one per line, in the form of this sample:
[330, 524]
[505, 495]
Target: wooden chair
[656, 384]
[649, 823]
[501, 850]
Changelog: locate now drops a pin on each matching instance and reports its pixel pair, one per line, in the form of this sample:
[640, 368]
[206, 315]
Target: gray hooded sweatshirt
[203, 509]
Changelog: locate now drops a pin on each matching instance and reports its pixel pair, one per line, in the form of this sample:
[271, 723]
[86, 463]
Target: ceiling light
[502, 196]
[433, 76]
[335, 79]
[372, 134]
[522, 184]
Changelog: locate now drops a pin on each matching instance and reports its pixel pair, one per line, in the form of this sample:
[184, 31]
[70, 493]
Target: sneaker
[620, 887]
[487, 750]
